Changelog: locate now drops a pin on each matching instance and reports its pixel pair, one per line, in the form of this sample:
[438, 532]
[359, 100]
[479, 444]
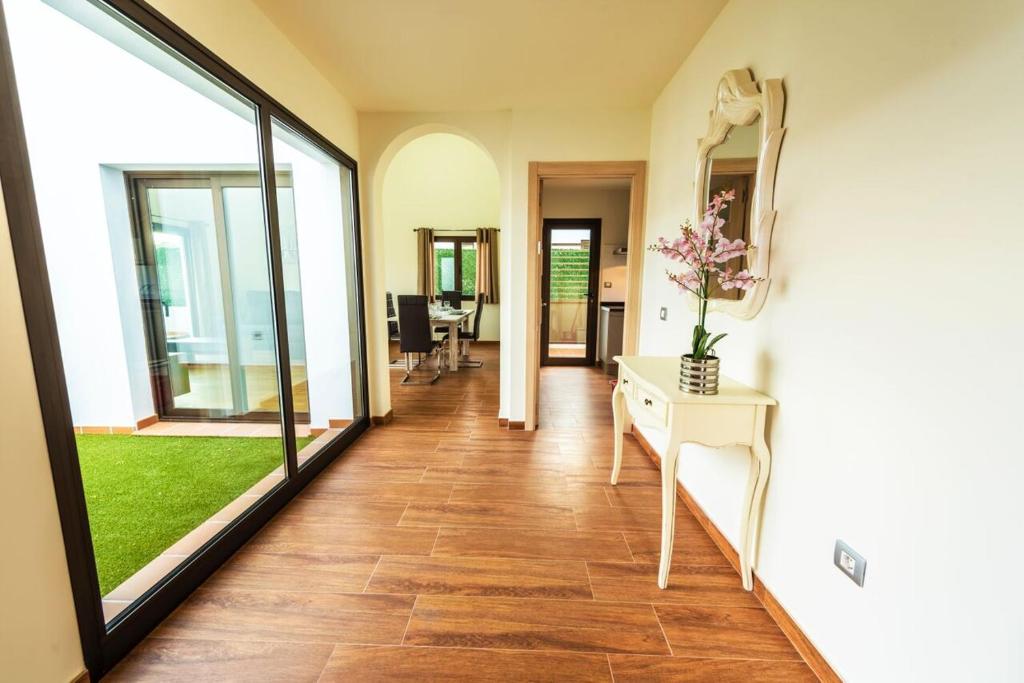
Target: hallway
[442, 547]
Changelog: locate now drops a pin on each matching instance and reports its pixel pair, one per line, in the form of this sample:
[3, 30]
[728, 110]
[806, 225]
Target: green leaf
[714, 341]
[700, 347]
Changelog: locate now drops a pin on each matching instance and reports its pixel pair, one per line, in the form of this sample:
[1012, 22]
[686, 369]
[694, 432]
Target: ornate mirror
[741, 152]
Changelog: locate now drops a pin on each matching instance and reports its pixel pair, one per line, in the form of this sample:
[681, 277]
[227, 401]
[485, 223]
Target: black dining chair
[454, 299]
[392, 318]
[466, 336]
[415, 335]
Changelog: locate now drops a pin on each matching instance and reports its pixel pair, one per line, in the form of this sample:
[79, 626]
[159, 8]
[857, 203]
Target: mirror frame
[739, 101]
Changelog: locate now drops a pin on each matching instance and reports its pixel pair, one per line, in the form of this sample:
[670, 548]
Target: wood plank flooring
[442, 547]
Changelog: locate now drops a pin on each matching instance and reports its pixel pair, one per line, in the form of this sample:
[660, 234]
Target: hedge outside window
[455, 265]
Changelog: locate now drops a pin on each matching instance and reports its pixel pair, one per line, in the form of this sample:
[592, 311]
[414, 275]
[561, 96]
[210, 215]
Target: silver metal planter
[698, 376]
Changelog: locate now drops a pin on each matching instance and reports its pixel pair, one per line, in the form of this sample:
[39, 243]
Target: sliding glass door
[209, 310]
[188, 256]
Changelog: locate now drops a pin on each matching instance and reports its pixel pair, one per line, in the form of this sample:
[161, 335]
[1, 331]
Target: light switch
[663, 313]
[607, 285]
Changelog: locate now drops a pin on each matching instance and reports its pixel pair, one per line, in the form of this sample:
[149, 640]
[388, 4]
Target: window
[455, 265]
[185, 284]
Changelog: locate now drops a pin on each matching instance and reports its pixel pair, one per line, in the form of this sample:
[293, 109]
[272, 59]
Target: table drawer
[652, 405]
[628, 384]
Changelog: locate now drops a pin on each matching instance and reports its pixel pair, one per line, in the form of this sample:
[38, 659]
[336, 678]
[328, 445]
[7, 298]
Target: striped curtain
[425, 261]
[487, 264]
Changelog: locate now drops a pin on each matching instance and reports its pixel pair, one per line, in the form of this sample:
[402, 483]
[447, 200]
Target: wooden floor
[444, 548]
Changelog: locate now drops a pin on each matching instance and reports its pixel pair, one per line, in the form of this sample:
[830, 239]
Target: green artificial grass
[145, 492]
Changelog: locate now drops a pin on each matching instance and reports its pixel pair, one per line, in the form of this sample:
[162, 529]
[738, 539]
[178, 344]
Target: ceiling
[485, 55]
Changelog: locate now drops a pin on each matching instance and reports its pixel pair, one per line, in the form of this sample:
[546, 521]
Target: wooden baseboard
[384, 419]
[514, 425]
[817, 663]
[147, 421]
[104, 429]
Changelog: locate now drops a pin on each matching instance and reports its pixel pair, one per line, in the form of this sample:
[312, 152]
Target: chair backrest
[476, 316]
[415, 335]
[392, 324]
[452, 297]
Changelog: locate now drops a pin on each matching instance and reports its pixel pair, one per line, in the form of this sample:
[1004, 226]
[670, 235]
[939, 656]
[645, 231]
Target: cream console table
[648, 388]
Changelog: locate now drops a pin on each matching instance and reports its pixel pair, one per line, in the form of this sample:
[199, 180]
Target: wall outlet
[607, 285]
[850, 562]
[663, 313]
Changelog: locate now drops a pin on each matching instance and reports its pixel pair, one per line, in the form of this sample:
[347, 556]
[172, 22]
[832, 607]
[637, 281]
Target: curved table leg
[764, 459]
[669, 465]
[618, 413]
[746, 573]
[760, 468]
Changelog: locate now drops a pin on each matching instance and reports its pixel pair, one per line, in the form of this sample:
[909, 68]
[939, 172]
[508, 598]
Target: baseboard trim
[147, 421]
[381, 420]
[515, 425]
[817, 663]
[83, 677]
[104, 429]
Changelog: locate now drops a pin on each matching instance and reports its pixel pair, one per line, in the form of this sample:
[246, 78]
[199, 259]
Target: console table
[648, 388]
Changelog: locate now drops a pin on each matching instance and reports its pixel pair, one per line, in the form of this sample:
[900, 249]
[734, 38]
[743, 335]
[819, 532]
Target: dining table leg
[453, 345]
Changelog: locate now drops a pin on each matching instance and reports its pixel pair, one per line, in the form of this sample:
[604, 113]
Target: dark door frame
[103, 645]
[594, 225]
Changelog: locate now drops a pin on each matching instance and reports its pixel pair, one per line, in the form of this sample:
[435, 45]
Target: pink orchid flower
[704, 249]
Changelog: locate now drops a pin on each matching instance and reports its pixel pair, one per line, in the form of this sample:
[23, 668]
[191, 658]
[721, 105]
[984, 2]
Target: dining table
[454, 319]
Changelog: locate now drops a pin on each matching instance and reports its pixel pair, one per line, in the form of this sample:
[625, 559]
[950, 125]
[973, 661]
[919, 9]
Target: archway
[439, 177]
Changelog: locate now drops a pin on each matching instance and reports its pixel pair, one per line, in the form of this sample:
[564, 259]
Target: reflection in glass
[317, 226]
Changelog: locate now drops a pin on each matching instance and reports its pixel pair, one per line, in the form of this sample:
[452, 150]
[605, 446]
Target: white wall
[84, 213]
[440, 180]
[611, 205]
[893, 330]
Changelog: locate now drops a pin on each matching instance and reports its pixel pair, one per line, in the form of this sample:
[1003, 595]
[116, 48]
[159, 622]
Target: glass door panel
[243, 217]
[190, 365]
[569, 291]
[145, 298]
[316, 220]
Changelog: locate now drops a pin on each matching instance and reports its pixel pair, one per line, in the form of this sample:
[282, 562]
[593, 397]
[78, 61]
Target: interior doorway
[569, 290]
[619, 267]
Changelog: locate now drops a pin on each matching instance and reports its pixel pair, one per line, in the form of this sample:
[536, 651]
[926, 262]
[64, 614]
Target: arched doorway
[443, 179]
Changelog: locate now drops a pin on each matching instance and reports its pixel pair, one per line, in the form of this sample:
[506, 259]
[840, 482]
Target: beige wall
[38, 633]
[441, 181]
[896, 257]
[513, 139]
[38, 630]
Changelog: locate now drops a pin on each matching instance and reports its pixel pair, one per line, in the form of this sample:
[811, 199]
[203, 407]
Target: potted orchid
[706, 251]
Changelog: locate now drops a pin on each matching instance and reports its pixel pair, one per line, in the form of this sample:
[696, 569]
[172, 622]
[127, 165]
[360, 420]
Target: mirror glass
[732, 165]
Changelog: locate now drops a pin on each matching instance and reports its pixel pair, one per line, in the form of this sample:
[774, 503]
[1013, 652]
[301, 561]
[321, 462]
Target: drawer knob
[647, 402]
